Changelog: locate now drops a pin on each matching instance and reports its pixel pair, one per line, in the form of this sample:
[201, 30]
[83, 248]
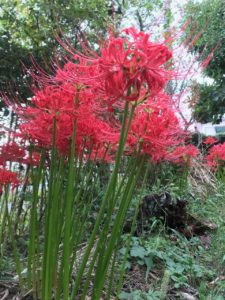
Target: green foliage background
[31, 26]
[209, 15]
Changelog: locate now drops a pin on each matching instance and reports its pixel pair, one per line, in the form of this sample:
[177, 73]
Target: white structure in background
[211, 129]
[182, 59]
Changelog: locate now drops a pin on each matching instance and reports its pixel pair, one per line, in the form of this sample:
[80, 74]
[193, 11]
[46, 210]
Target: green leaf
[149, 263]
[138, 251]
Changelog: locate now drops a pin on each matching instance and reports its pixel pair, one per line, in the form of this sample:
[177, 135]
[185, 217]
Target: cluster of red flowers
[155, 128]
[12, 152]
[210, 141]
[91, 91]
[216, 156]
[7, 177]
[183, 154]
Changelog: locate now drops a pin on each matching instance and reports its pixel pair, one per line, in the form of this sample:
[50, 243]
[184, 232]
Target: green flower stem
[110, 190]
[15, 252]
[68, 221]
[124, 204]
[111, 274]
[46, 267]
[57, 219]
[120, 281]
[101, 245]
[31, 270]
[76, 235]
[3, 221]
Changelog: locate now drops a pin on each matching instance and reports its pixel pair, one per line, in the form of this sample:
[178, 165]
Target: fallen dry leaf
[187, 296]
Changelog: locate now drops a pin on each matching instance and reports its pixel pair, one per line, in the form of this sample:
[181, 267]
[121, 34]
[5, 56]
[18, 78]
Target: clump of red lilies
[209, 141]
[18, 153]
[216, 156]
[7, 178]
[103, 105]
[92, 90]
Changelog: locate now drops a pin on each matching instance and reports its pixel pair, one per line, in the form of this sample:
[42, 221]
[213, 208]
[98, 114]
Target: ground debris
[10, 290]
[187, 296]
[174, 214]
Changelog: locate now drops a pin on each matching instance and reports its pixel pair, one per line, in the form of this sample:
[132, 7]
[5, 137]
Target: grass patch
[164, 265]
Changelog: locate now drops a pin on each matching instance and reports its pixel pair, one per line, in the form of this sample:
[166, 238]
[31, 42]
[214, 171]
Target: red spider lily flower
[49, 103]
[91, 91]
[183, 154]
[2, 162]
[66, 105]
[8, 177]
[11, 152]
[216, 156]
[210, 140]
[34, 160]
[128, 63]
[123, 68]
[155, 129]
